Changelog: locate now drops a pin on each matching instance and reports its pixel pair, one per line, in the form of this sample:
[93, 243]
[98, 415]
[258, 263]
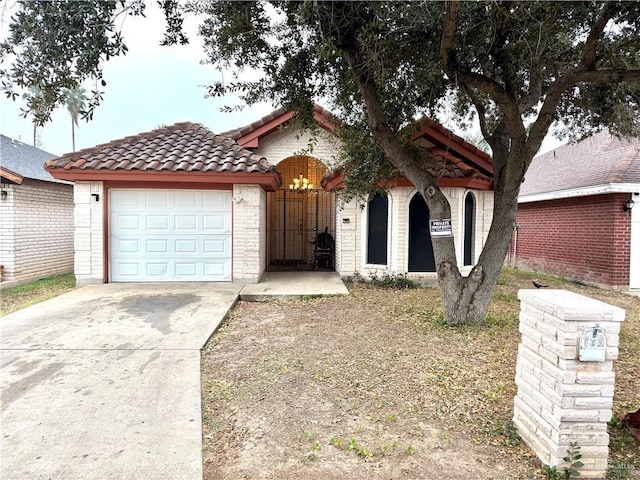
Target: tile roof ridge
[238, 132]
[132, 138]
[454, 136]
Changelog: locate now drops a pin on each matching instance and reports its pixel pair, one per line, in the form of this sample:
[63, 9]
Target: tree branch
[470, 80]
[484, 128]
[546, 116]
[392, 148]
[450, 28]
[504, 99]
[588, 59]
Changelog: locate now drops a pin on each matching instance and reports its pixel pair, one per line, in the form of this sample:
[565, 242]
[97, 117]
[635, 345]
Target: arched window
[421, 257]
[377, 230]
[469, 229]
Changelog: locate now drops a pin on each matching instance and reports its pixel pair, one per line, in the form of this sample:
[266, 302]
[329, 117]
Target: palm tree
[76, 99]
[35, 107]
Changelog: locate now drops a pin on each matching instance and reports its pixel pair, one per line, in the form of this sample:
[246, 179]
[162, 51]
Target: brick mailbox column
[561, 399]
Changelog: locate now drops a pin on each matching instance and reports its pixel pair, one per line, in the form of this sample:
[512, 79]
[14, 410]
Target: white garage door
[169, 235]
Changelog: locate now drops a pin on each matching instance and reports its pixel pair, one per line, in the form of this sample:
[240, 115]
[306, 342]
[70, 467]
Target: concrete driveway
[104, 382]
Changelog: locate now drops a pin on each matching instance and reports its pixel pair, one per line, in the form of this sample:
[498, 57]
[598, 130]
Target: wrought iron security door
[297, 213]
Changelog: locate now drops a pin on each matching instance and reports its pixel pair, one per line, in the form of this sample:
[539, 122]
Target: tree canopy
[516, 67]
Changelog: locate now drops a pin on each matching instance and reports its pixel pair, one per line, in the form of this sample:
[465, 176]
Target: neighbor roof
[600, 159]
[179, 149]
[19, 161]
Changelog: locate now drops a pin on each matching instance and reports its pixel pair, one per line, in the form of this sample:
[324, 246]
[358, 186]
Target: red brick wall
[584, 238]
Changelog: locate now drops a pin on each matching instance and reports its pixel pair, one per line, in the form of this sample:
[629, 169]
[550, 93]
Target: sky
[149, 87]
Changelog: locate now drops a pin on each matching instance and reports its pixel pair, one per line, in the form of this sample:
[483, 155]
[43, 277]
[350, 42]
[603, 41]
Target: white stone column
[561, 399]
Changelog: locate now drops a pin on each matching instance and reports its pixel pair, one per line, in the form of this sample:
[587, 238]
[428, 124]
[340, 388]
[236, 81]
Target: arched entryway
[297, 213]
[420, 247]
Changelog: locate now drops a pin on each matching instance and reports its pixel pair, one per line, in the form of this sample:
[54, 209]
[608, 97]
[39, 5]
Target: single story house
[576, 215]
[36, 212]
[182, 203]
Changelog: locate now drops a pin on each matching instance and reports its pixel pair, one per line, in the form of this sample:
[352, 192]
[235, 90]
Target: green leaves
[54, 45]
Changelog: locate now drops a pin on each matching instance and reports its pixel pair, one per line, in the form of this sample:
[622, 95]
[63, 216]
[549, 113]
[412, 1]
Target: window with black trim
[378, 217]
[469, 228]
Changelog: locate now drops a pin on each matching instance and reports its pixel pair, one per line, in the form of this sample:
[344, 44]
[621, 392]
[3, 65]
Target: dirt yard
[374, 386]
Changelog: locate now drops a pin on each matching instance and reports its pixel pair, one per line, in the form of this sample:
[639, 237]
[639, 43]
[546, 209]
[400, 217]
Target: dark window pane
[377, 230]
[469, 228]
[420, 247]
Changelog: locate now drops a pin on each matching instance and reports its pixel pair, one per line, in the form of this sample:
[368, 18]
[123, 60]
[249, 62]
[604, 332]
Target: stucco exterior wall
[351, 231]
[249, 233]
[36, 235]
[583, 238]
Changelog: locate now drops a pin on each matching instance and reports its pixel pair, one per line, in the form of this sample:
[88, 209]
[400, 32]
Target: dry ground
[15, 298]
[373, 386]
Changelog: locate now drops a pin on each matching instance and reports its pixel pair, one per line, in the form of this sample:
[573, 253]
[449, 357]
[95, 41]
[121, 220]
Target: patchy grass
[374, 385]
[16, 298]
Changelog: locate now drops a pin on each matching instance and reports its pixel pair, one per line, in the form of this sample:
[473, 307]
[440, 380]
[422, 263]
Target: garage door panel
[216, 201]
[130, 198]
[156, 270]
[129, 270]
[216, 269]
[156, 223]
[152, 238]
[188, 199]
[219, 223]
[128, 223]
[155, 199]
[173, 270]
[186, 224]
[156, 246]
[217, 246]
[128, 246]
[186, 246]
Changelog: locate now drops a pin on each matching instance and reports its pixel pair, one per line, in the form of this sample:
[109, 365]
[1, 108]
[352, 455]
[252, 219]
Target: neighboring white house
[36, 216]
[184, 204]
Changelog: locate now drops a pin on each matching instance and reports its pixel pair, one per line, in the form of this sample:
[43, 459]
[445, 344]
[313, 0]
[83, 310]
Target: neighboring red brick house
[573, 213]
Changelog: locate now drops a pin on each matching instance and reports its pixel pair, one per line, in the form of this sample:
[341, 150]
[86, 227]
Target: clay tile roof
[275, 119]
[181, 147]
[597, 160]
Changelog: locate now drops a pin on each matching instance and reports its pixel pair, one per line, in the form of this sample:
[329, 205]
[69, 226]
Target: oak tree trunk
[466, 299]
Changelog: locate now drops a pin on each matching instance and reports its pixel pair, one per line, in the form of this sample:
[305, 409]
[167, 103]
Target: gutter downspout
[515, 245]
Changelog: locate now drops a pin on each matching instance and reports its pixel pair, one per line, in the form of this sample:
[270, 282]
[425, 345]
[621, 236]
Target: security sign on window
[440, 228]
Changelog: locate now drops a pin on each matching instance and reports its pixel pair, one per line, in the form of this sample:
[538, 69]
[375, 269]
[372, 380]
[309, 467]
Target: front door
[287, 232]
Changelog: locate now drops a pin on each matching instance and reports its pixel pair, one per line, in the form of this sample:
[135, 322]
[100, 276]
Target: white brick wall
[249, 233]
[36, 238]
[89, 232]
[561, 399]
[285, 142]
[352, 236]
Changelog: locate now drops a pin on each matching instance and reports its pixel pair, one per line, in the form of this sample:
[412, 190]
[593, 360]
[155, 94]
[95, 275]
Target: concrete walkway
[293, 286]
[103, 382]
